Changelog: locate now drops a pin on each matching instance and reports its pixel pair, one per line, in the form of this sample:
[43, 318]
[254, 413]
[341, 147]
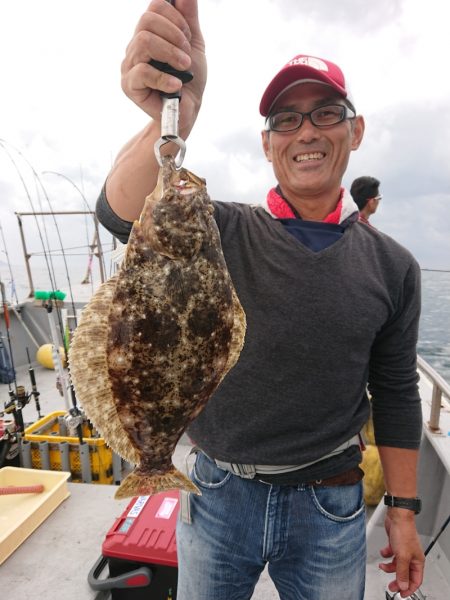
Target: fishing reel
[74, 420]
[17, 401]
[9, 442]
[416, 596]
[7, 428]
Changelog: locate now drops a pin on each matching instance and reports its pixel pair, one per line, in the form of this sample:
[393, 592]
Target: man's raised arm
[170, 35]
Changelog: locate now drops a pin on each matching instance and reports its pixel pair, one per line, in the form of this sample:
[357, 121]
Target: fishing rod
[63, 253]
[27, 193]
[58, 312]
[50, 267]
[88, 276]
[51, 271]
[11, 431]
[75, 417]
[5, 249]
[47, 256]
[97, 236]
[34, 391]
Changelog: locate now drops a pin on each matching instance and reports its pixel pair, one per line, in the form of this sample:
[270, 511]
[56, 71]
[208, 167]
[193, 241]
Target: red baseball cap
[304, 69]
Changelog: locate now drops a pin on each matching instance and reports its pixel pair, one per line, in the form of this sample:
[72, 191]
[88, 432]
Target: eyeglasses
[323, 116]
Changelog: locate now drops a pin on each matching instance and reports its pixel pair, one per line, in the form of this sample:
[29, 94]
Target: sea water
[434, 329]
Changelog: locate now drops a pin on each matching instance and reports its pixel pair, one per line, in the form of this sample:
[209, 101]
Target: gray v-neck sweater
[320, 327]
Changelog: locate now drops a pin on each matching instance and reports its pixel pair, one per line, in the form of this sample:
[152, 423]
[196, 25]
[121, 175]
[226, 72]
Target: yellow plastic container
[47, 429]
[21, 514]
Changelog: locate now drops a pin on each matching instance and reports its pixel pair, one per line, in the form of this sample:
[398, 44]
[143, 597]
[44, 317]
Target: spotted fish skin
[175, 328]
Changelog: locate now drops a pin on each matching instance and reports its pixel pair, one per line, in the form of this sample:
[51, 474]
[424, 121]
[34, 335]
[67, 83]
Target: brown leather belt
[348, 478]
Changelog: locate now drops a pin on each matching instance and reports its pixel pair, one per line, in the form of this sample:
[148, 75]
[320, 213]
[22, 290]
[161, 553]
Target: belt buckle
[244, 471]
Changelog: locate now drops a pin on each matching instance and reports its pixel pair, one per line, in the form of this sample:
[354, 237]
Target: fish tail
[138, 483]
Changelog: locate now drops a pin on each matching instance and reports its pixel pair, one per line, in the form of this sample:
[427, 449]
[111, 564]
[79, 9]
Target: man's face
[374, 202]
[311, 161]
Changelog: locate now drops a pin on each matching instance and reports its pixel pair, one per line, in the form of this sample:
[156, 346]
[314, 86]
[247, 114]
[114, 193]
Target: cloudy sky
[62, 108]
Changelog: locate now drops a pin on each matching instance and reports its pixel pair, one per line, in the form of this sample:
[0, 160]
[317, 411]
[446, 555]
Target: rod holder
[86, 474]
[117, 468]
[65, 459]
[25, 454]
[45, 456]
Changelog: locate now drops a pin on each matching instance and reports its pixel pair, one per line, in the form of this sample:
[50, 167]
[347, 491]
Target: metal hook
[165, 140]
[169, 129]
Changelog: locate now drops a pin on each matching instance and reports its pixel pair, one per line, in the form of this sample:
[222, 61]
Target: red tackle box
[140, 551]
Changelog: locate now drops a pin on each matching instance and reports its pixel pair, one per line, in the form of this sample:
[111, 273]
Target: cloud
[351, 14]
[406, 147]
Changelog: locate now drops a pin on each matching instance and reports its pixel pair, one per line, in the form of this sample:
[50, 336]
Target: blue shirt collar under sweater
[315, 235]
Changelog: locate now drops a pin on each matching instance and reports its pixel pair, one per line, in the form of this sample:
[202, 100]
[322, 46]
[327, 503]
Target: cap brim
[294, 75]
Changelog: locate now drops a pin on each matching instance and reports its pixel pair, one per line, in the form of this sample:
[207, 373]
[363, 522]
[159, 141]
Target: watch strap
[414, 504]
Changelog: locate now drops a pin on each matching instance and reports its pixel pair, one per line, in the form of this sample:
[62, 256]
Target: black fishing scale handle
[184, 76]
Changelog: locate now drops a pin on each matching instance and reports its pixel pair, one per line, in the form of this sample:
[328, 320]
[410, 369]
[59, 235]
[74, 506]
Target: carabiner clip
[169, 130]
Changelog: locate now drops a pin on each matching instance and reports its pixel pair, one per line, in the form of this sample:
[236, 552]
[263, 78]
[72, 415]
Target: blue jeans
[313, 539]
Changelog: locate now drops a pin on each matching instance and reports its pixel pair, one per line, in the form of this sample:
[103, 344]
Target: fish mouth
[182, 180]
[304, 157]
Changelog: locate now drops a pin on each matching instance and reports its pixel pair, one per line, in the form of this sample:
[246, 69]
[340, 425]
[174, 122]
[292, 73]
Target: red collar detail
[363, 219]
[280, 209]
[278, 206]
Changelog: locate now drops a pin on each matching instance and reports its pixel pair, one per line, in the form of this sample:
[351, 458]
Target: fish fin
[141, 484]
[89, 372]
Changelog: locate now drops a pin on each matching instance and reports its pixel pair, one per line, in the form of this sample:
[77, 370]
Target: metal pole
[100, 251]
[435, 412]
[26, 255]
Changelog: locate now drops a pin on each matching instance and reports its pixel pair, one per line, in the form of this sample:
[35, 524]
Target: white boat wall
[433, 489]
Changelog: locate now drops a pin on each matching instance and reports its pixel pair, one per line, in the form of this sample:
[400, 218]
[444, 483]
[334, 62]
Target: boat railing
[439, 388]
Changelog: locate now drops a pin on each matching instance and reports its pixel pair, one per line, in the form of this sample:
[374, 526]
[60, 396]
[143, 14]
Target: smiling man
[331, 305]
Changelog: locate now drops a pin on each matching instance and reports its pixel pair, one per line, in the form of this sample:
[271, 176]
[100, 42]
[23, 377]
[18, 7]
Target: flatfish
[157, 338]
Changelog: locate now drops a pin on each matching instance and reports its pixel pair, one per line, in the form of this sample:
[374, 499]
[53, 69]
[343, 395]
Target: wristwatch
[414, 504]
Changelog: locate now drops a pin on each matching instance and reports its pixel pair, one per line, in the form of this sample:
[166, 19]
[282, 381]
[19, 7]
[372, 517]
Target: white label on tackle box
[166, 509]
[138, 506]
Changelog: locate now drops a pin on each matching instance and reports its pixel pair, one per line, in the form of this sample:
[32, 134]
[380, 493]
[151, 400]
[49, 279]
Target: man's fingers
[163, 34]
[387, 552]
[416, 573]
[147, 44]
[409, 575]
[388, 567]
[403, 575]
[169, 22]
[143, 80]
